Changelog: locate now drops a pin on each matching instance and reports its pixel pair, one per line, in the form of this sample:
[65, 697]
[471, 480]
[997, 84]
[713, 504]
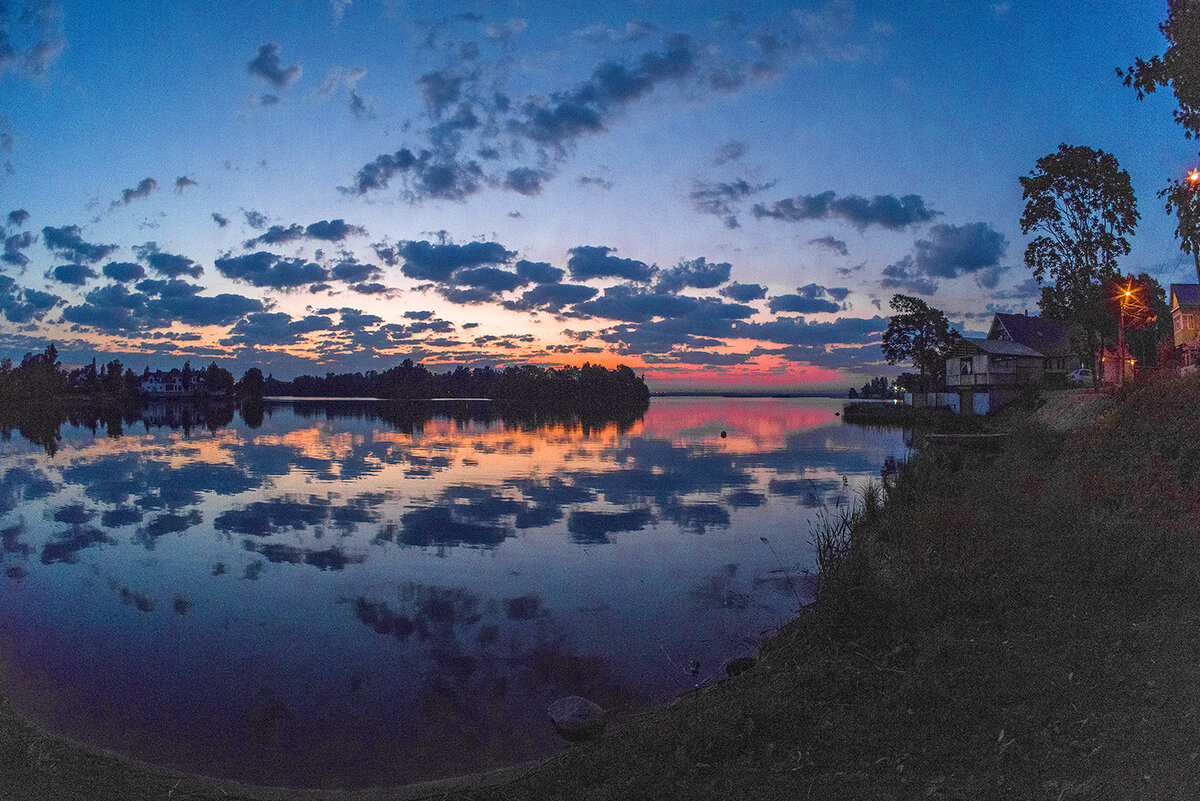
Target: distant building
[160, 384]
[1185, 322]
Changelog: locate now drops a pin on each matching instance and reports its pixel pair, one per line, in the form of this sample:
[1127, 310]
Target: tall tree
[1179, 68]
[919, 333]
[1082, 205]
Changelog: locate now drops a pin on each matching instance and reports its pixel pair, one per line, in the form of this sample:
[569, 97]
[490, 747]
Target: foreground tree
[1178, 68]
[919, 333]
[1081, 204]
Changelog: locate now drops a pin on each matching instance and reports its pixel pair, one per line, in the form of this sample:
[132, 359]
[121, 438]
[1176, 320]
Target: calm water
[330, 600]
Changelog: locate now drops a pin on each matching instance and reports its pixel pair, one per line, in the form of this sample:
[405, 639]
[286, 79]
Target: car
[1081, 375]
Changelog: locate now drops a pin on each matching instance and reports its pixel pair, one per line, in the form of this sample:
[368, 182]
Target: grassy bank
[1022, 623]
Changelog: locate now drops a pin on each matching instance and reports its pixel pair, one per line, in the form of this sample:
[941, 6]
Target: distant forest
[585, 388]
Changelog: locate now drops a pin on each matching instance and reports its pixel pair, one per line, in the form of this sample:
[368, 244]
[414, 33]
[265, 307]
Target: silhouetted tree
[919, 333]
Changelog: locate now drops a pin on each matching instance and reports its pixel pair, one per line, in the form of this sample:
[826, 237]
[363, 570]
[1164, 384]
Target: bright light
[1194, 176]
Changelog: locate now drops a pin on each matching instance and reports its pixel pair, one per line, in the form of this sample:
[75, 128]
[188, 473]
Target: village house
[159, 383]
[1185, 322]
[1051, 338]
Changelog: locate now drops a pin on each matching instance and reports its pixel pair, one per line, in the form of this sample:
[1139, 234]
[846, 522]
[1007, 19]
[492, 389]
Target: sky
[723, 196]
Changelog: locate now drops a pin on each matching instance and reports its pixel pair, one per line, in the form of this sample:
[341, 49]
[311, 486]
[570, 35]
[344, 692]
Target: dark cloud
[182, 183]
[353, 272]
[905, 275]
[13, 245]
[276, 235]
[169, 264]
[743, 293]
[255, 220]
[67, 242]
[425, 261]
[219, 220]
[552, 297]
[32, 40]
[524, 180]
[539, 272]
[439, 90]
[76, 274]
[594, 180]
[266, 65]
[157, 304]
[697, 273]
[18, 217]
[263, 269]
[952, 250]
[797, 331]
[636, 305]
[831, 243]
[145, 188]
[720, 199]
[274, 329]
[24, 305]
[802, 305]
[124, 271]
[333, 230]
[429, 175]
[886, 211]
[587, 261]
[373, 288]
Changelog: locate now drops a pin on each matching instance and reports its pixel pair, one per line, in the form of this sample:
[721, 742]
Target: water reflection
[359, 593]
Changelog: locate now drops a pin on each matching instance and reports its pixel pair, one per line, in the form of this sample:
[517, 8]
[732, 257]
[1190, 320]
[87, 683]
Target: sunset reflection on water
[327, 599]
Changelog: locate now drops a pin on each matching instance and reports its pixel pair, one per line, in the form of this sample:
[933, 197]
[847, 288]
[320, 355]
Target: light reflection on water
[327, 599]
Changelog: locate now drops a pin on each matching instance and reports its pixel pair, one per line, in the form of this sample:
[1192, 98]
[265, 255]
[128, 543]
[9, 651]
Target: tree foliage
[1183, 200]
[919, 333]
[1178, 67]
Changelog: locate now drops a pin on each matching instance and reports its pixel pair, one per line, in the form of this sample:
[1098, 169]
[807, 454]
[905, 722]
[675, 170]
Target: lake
[337, 597]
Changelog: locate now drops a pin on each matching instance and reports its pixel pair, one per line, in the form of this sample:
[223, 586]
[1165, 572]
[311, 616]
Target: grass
[1008, 625]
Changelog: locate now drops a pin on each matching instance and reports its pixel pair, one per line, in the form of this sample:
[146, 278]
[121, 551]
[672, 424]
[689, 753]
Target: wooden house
[1185, 322]
[1051, 338]
[988, 373]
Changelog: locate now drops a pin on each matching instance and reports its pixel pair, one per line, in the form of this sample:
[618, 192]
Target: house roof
[1001, 347]
[1046, 336]
[1185, 294]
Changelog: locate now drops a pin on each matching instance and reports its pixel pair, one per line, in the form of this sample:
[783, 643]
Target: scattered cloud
[588, 261]
[266, 65]
[728, 152]
[67, 242]
[124, 271]
[14, 244]
[831, 243]
[20, 305]
[182, 183]
[75, 274]
[697, 274]
[721, 199]
[885, 211]
[220, 220]
[263, 269]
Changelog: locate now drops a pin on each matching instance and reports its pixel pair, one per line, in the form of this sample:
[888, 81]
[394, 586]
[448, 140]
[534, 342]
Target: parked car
[1081, 375]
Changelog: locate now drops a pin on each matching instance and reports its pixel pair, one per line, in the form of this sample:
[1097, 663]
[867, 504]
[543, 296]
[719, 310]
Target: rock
[739, 665]
[576, 718]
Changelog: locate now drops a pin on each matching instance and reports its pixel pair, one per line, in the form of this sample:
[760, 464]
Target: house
[1185, 322]
[988, 373]
[1051, 338]
[160, 383]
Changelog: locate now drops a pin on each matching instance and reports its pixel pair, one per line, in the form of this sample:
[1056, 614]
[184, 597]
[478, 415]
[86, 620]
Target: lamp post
[1194, 181]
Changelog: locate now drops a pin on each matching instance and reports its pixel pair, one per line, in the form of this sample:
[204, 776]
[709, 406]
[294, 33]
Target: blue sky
[716, 194]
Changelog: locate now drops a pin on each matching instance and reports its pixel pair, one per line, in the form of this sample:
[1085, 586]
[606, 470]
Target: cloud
[18, 217]
[219, 220]
[157, 304]
[266, 65]
[636, 305]
[697, 273]
[145, 188]
[182, 183]
[798, 331]
[831, 243]
[594, 180]
[552, 297]
[743, 293]
[425, 261]
[273, 329]
[13, 245]
[432, 176]
[905, 275]
[124, 271]
[587, 261]
[255, 220]
[353, 272]
[263, 269]
[501, 32]
[539, 272]
[719, 199]
[76, 274]
[952, 250]
[886, 211]
[333, 230]
[276, 235]
[168, 264]
[600, 33]
[67, 242]
[810, 299]
[524, 180]
[440, 90]
[32, 40]
[24, 305]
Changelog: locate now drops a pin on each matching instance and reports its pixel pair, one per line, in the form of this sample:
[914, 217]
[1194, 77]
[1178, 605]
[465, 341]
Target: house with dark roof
[1185, 322]
[988, 373]
[1051, 338]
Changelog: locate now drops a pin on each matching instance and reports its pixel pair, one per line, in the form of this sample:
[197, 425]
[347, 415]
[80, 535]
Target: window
[966, 366]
